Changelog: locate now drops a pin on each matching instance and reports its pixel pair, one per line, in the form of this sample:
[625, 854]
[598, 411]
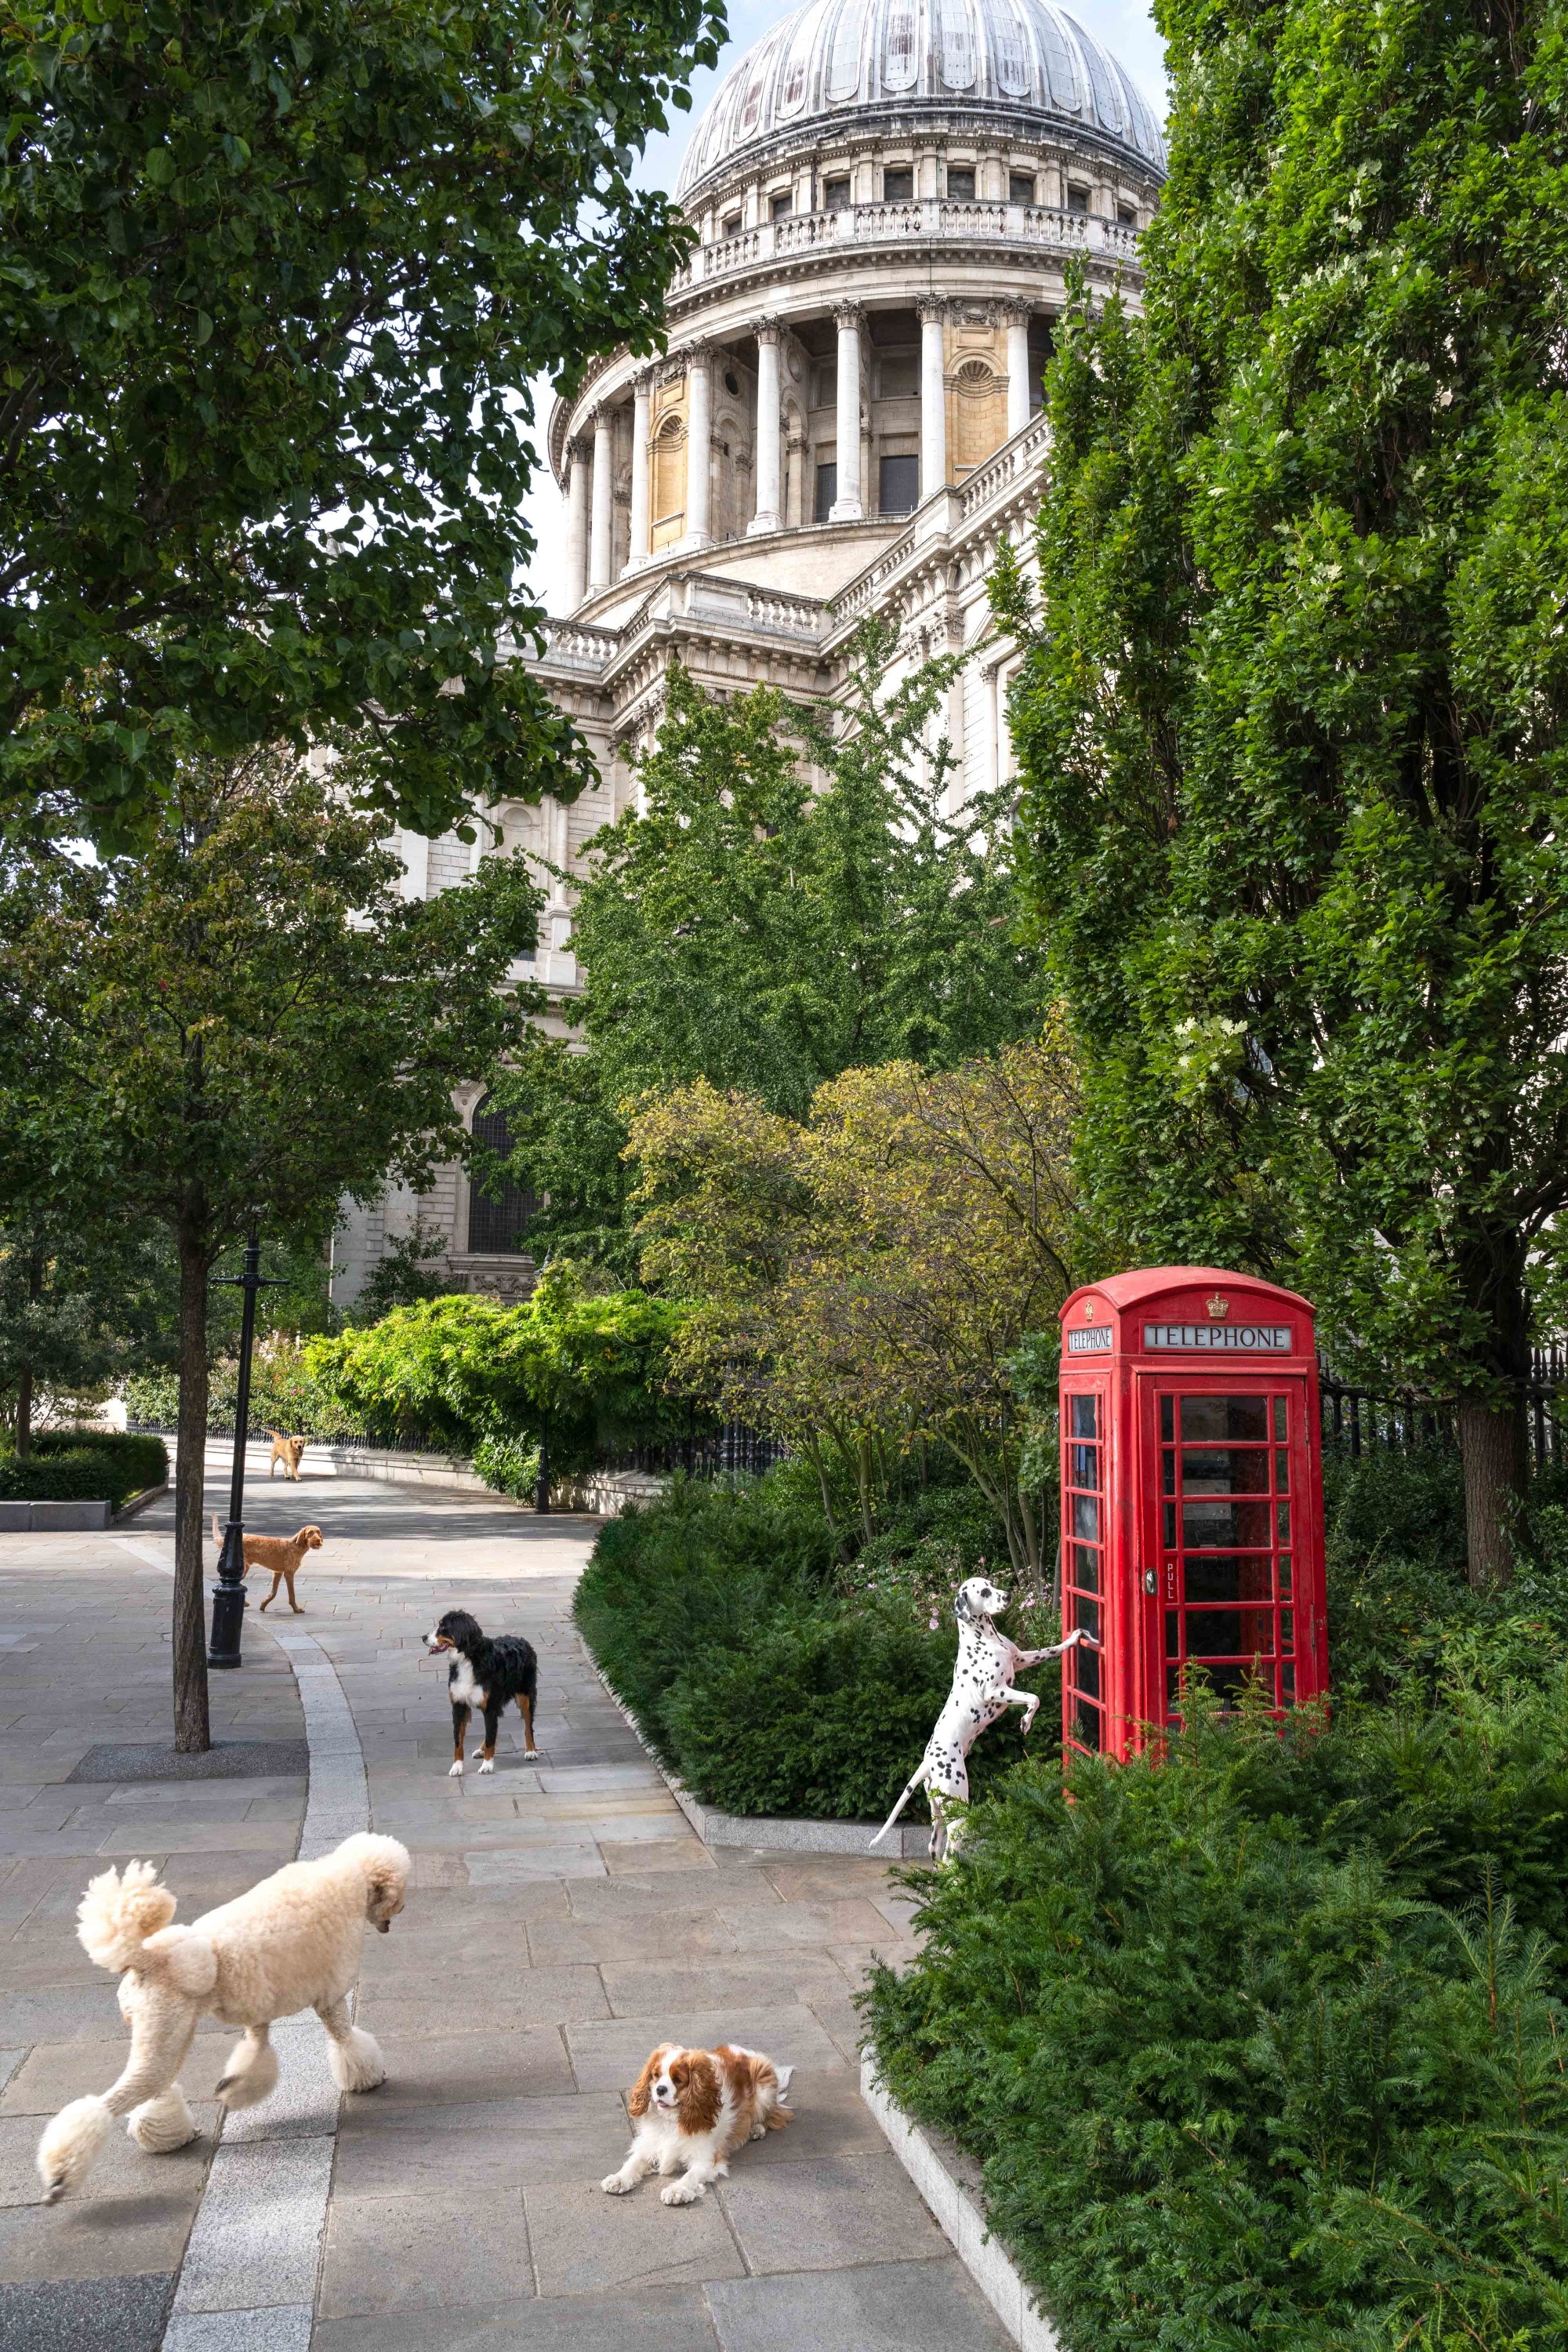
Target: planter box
[52, 1518]
[949, 2183]
[409, 1469]
[596, 1494]
[136, 1504]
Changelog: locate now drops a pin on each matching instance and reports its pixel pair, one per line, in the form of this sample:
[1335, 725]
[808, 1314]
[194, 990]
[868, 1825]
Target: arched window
[497, 1221]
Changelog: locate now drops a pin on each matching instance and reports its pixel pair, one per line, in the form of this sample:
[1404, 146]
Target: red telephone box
[1192, 1498]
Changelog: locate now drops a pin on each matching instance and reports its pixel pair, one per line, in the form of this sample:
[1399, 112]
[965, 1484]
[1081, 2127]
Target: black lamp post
[229, 1592]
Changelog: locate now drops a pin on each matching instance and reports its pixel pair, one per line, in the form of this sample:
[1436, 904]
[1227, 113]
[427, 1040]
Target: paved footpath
[563, 1919]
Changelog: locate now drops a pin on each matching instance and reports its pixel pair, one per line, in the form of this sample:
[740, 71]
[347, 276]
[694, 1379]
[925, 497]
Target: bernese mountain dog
[486, 1675]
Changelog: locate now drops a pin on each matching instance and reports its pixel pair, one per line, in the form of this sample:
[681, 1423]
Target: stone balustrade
[913, 220]
[1017, 456]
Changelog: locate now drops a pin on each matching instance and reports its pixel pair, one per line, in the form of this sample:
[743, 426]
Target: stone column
[576, 524]
[604, 493]
[847, 507]
[934, 397]
[768, 516]
[1016, 317]
[699, 444]
[642, 402]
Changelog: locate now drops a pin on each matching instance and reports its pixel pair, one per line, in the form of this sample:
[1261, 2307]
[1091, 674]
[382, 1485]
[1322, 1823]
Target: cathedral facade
[887, 195]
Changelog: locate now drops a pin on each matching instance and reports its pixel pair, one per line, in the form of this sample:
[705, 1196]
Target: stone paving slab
[665, 2320]
[96, 2272]
[106, 2314]
[562, 1919]
[884, 2307]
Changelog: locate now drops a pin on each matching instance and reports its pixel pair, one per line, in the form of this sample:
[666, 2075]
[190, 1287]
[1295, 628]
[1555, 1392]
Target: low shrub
[583, 1368]
[705, 1564]
[932, 1541]
[84, 1465]
[716, 1614]
[827, 1713]
[1264, 2045]
[283, 1395]
[1400, 1606]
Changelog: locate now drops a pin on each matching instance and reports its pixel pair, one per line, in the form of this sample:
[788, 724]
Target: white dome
[837, 59]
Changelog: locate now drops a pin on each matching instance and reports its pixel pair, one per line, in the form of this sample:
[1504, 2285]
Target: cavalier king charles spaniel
[691, 2109]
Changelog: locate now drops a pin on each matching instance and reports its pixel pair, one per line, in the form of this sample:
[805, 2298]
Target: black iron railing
[1401, 1421]
[731, 1451]
[415, 1441]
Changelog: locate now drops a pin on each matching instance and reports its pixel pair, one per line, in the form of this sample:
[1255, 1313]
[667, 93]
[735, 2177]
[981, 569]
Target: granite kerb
[776, 1833]
[949, 2183]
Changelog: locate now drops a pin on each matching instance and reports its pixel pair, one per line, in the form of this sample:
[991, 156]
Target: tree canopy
[571, 1364]
[863, 1279]
[277, 279]
[1292, 713]
[790, 897]
[234, 1029]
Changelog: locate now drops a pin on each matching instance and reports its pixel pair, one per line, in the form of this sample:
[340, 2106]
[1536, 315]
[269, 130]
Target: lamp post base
[228, 1612]
[228, 1601]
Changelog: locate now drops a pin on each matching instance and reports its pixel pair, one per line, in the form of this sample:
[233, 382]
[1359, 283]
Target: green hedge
[715, 1614]
[1264, 2046]
[77, 1465]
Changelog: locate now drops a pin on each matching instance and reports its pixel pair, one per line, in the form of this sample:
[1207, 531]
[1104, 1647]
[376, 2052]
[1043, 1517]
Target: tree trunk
[191, 1729]
[25, 1383]
[1492, 1436]
[1491, 1449]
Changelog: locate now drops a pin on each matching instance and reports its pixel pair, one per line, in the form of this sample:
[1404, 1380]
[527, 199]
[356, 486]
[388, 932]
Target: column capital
[1015, 314]
[931, 308]
[696, 353]
[848, 314]
[767, 331]
[579, 449]
[644, 381]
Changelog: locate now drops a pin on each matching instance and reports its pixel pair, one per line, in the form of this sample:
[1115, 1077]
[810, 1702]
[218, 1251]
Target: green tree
[277, 280]
[789, 900]
[79, 1303]
[1292, 713]
[864, 1280]
[235, 1029]
[570, 1366]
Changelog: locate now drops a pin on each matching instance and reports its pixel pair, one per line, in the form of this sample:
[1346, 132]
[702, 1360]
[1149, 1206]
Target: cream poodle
[292, 1943]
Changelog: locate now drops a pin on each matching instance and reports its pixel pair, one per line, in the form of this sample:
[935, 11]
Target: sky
[1123, 26]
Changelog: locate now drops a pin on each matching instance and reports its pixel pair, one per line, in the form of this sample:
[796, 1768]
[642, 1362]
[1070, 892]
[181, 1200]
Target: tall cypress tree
[1292, 712]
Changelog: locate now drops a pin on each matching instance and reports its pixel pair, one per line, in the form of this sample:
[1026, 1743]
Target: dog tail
[120, 1911]
[898, 1809]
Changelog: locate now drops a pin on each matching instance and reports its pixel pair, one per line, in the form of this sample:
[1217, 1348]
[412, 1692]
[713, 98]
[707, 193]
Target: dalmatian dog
[982, 1690]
